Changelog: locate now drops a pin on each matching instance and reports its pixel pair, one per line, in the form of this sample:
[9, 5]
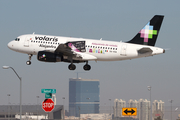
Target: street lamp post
[63, 108]
[8, 105]
[88, 107]
[149, 88]
[37, 106]
[171, 107]
[110, 105]
[7, 67]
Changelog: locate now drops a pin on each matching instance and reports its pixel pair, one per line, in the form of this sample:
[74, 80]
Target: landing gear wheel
[72, 67]
[87, 67]
[28, 62]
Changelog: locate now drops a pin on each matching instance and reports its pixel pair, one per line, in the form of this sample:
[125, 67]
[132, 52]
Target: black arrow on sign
[132, 111]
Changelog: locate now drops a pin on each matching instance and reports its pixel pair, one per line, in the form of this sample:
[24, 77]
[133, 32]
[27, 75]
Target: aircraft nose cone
[10, 45]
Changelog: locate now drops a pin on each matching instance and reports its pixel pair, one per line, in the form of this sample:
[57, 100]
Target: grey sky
[118, 20]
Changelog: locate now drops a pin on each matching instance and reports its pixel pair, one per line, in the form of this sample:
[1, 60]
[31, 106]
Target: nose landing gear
[29, 61]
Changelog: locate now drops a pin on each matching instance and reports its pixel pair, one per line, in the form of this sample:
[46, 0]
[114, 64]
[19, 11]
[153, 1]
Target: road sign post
[47, 105]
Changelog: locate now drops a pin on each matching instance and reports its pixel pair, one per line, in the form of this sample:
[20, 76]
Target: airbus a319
[77, 50]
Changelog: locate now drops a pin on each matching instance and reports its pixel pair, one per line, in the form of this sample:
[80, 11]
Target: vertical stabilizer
[149, 34]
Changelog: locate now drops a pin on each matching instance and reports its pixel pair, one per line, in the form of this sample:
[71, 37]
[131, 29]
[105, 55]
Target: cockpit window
[17, 39]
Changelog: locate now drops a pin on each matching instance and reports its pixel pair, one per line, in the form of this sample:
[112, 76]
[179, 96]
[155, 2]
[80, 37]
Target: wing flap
[85, 56]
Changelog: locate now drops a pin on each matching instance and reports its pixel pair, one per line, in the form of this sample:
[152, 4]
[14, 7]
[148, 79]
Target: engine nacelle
[48, 57]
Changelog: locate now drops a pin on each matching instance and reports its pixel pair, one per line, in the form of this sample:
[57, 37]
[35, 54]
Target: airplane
[77, 50]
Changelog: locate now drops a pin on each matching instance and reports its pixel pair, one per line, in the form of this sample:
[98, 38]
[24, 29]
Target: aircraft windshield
[17, 39]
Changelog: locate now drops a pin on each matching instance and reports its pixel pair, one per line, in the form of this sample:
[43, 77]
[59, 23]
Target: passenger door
[27, 40]
[123, 50]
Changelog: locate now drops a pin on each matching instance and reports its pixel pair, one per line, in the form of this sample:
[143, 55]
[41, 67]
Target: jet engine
[49, 57]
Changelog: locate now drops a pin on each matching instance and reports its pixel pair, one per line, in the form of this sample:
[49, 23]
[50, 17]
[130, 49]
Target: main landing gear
[86, 67]
[72, 66]
[29, 61]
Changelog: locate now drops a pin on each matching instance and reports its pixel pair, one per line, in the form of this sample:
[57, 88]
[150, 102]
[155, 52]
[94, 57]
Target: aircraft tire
[72, 67]
[28, 62]
[87, 67]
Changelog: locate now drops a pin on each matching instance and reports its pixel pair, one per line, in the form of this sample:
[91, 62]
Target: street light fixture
[7, 67]
[149, 88]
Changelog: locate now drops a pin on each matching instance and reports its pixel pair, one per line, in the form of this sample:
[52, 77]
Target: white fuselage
[100, 49]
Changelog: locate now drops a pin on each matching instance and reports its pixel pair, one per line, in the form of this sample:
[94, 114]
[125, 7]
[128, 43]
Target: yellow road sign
[129, 111]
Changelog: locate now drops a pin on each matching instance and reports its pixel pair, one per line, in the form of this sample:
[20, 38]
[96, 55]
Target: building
[83, 96]
[133, 104]
[11, 112]
[118, 105]
[143, 109]
[158, 109]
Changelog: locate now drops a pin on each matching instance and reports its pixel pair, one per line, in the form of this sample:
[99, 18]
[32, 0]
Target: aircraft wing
[144, 50]
[64, 49]
[75, 49]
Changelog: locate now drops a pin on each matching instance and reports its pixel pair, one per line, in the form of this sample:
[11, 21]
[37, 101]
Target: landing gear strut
[87, 67]
[29, 61]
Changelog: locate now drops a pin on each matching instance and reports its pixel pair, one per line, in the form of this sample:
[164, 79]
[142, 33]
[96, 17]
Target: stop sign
[47, 105]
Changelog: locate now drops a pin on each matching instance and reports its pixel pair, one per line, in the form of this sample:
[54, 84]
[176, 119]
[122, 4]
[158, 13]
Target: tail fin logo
[147, 32]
